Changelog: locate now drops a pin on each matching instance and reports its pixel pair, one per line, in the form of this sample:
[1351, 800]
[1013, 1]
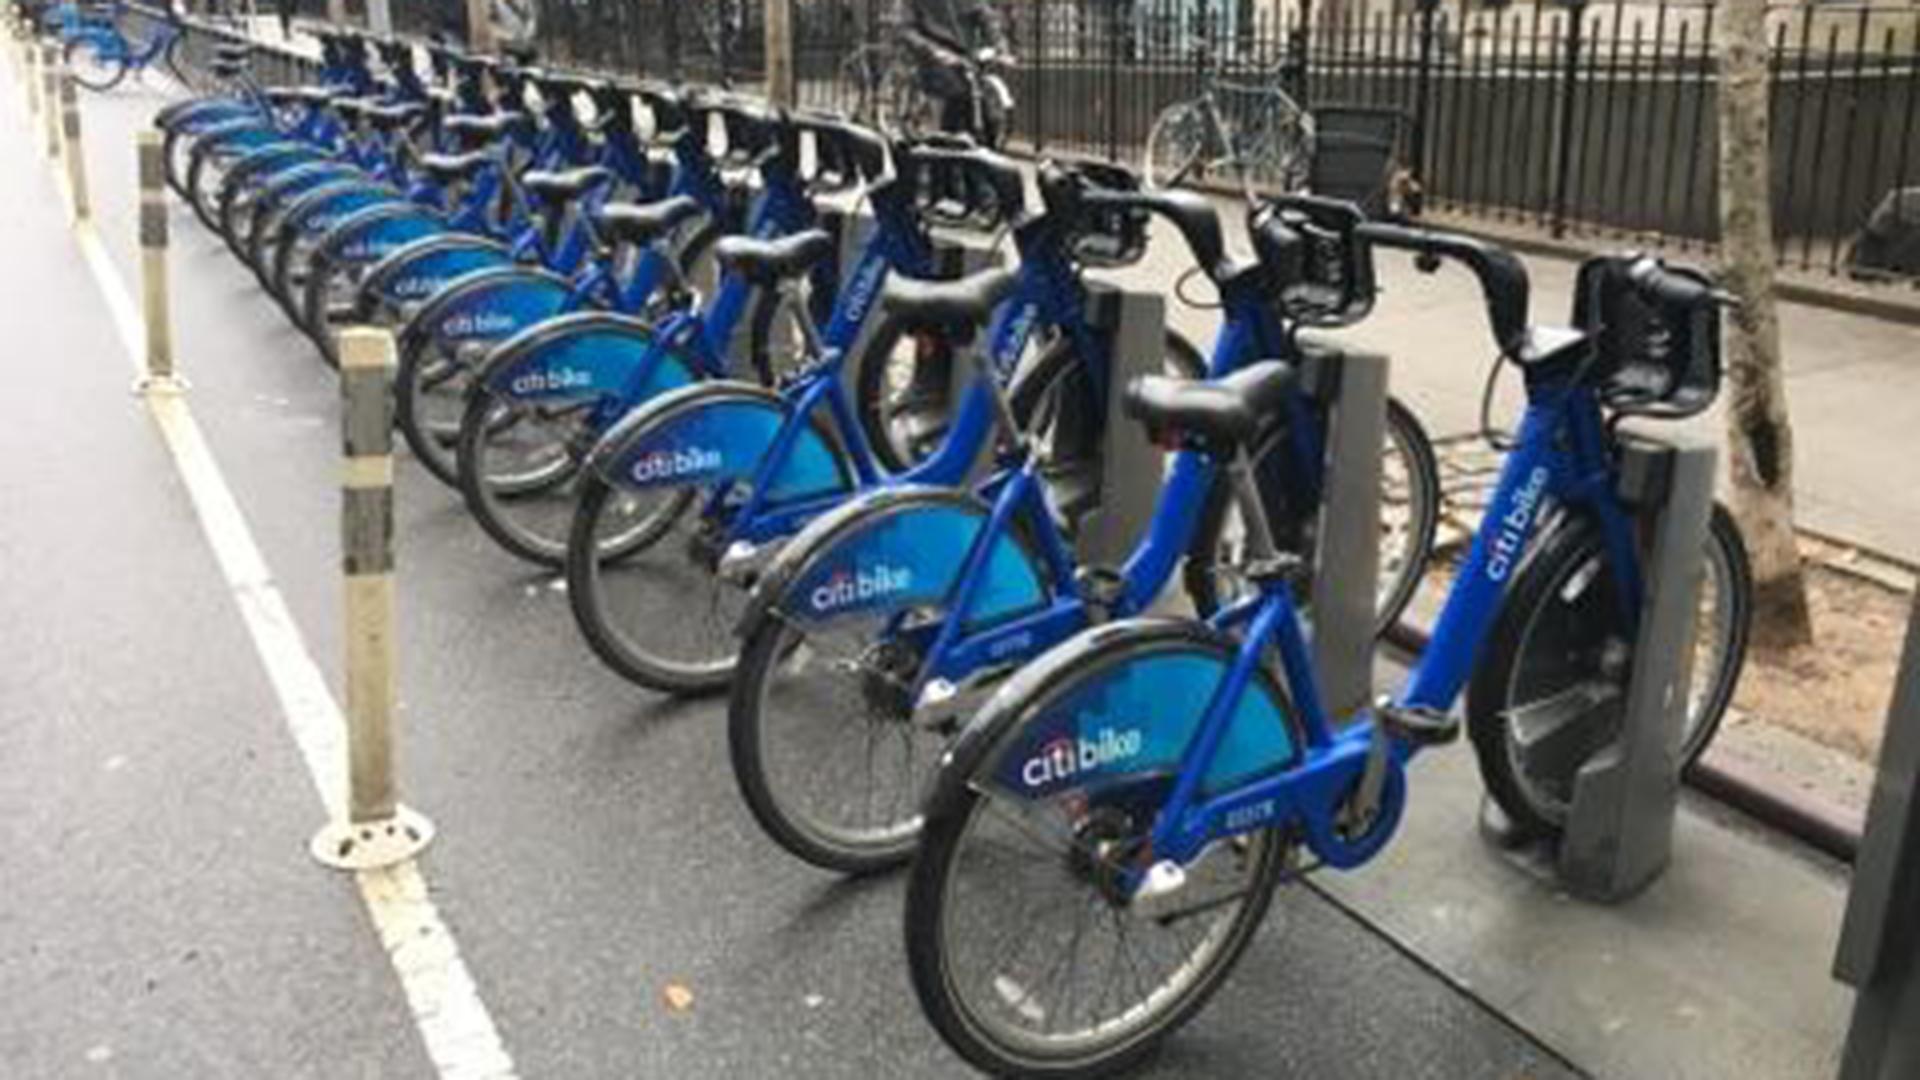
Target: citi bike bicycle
[1105, 836]
[738, 469]
[540, 399]
[876, 631]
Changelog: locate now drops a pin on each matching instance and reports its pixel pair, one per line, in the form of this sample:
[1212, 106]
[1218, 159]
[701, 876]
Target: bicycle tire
[1177, 146]
[1415, 449]
[92, 66]
[768, 640]
[935, 888]
[1561, 573]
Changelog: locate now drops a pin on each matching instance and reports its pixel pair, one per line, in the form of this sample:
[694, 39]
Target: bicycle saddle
[303, 95]
[473, 131]
[641, 224]
[560, 187]
[967, 302]
[767, 262]
[392, 118]
[227, 50]
[1225, 412]
[447, 168]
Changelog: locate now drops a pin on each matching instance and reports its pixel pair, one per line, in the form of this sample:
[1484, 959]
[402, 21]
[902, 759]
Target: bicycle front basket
[1661, 358]
[1109, 237]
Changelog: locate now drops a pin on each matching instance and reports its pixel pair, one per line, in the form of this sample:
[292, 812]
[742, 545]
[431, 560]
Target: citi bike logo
[1067, 756]
[853, 587]
[478, 322]
[543, 382]
[1513, 527]
[667, 464]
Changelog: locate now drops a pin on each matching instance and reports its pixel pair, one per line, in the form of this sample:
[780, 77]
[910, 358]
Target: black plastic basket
[1330, 279]
[1109, 237]
[1662, 359]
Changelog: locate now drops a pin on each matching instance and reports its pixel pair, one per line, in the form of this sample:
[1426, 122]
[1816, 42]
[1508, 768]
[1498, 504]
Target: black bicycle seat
[641, 224]
[766, 262]
[967, 302]
[560, 187]
[447, 168]
[1224, 412]
[391, 118]
[474, 131]
[313, 96]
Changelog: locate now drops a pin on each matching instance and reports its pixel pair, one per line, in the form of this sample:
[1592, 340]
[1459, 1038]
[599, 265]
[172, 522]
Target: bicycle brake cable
[1493, 438]
[1180, 291]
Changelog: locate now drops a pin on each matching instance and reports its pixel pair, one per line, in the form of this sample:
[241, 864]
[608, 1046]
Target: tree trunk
[1759, 436]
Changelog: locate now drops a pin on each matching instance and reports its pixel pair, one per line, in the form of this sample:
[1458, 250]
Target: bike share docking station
[1617, 748]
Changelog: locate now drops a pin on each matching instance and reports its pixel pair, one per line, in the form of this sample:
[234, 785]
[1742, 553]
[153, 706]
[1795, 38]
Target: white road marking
[447, 1009]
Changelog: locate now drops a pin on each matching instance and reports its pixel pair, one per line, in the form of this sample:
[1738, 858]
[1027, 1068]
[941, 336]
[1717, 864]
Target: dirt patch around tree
[1835, 692]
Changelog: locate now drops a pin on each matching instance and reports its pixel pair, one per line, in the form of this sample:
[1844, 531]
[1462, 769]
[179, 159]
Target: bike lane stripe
[452, 1019]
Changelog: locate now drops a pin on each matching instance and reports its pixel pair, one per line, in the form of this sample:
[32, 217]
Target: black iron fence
[1573, 117]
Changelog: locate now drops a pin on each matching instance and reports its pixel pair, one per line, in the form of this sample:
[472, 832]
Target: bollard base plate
[372, 845]
[163, 385]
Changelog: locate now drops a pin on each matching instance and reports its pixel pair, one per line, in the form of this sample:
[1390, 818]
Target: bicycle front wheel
[1026, 962]
[1180, 146]
[1557, 645]
[97, 63]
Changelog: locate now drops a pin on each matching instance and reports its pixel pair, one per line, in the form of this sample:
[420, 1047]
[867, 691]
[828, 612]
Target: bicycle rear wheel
[1024, 949]
[1557, 645]
[97, 63]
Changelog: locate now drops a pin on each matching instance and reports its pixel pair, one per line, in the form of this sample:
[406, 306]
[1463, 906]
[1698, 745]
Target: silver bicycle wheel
[1180, 146]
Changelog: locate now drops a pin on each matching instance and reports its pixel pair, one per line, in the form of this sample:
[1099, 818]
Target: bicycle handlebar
[1002, 173]
[1503, 278]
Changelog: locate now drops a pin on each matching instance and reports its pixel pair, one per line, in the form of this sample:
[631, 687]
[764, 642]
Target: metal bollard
[50, 96]
[155, 306]
[378, 831]
[76, 148]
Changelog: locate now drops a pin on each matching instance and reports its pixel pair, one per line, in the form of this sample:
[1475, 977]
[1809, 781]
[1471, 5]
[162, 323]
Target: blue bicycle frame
[1560, 456]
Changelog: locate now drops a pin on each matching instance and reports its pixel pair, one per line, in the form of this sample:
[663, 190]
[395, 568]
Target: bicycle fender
[275, 157]
[243, 134]
[715, 432]
[324, 208]
[583, 355]
[490, 305]
[899, 546]
[190, 117]
[417, 270]
[1066, 721]
[369, 235]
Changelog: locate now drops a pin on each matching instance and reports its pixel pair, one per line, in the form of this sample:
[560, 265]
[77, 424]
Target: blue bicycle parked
[100, 54]
[875, 631]
[1105, 836]
[540, 400]
[760, 465]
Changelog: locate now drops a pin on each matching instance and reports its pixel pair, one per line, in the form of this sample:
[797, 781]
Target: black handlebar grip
[1502, 276]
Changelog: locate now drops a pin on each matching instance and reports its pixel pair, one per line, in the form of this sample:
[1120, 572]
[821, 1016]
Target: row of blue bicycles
[701, 356]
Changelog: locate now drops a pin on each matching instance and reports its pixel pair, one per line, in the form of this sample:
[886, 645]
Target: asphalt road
[163, 918]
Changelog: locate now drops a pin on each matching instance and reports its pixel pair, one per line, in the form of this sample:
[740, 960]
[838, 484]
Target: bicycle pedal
[1420, 725]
